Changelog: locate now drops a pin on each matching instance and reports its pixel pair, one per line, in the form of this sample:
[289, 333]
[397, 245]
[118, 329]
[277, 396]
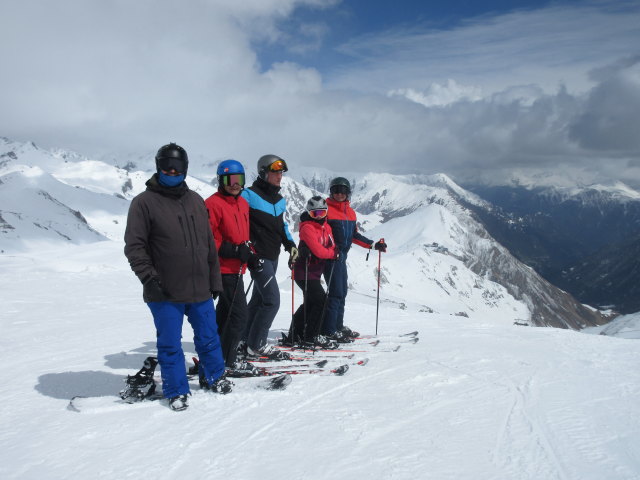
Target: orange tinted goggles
[278, 166]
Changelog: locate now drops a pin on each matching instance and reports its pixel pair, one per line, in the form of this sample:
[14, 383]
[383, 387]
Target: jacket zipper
[184, 233]
[193, 252]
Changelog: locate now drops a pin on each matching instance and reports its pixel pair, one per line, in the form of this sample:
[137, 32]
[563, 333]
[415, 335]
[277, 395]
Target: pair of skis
[141, 388]
[361, 344]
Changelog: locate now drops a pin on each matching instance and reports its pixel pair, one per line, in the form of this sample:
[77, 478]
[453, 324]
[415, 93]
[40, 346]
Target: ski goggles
[340, 189]
[278, 166]
[167, 164]
[233, 179]
[321, 213]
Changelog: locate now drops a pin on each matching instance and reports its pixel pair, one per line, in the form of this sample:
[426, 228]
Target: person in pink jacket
[316, 245]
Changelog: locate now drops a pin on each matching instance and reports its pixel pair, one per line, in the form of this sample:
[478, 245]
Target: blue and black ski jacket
[268, 230]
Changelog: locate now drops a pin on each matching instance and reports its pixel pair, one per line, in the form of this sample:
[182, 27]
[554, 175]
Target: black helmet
[272, 163]
[172, 156]
[340, 185]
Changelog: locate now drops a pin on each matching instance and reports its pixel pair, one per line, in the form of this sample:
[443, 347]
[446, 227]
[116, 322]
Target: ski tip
[414, 340]
[341, 370]
[396, 348]
[72, 403]
[410, 334]
[279, 383]
[363, 362]
[321, 363]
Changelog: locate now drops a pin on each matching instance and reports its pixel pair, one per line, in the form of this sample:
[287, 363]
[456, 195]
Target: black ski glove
[380, 246]
[244, 252]
[303, 252]
[255, 263]
[240, 251]
[227, 250]
[153, 291]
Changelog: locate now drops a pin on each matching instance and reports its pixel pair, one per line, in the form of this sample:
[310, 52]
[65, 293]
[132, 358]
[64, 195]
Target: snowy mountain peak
[440, 258]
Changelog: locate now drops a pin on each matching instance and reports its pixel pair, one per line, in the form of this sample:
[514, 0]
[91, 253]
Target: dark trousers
[307, 320]
[338, 287]
[263, 306]
[231, 313]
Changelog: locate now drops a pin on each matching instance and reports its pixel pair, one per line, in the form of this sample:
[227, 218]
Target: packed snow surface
[474, 399]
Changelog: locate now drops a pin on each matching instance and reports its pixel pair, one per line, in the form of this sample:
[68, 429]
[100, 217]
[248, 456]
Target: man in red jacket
[229, 221]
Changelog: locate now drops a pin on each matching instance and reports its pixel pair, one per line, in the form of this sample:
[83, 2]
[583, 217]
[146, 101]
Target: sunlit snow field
[473, 399]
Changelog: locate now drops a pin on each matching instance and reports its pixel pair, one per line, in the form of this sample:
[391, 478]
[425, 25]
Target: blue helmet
[229, 167]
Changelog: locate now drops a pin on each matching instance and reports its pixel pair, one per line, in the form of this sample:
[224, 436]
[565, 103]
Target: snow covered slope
[440, 258]
[442, 253]
[473, 399]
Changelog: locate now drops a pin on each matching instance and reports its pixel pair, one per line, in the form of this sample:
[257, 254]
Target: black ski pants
[231, 315]
[313, 304]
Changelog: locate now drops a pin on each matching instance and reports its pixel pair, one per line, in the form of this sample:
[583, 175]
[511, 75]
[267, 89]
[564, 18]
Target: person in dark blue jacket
[268, 232]
[342, 219]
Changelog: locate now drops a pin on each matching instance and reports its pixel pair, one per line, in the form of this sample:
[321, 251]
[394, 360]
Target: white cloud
[116, 76]
[438, 95]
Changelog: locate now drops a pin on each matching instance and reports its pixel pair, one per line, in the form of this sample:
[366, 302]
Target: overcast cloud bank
[536, 89]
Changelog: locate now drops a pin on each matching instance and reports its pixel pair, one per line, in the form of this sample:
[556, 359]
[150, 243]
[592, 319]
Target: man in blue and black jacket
[268, 232]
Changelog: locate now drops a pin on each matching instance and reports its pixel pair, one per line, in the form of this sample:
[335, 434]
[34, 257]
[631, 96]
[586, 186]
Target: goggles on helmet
[166, 164]
[340, 189]
[321, 213]
[233, 179]
[278, 166]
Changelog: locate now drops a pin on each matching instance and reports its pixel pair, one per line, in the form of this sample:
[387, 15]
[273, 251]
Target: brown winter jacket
[168, 237]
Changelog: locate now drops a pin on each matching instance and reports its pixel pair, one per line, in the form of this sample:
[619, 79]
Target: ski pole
[235, 290]
[305, 298]
[292, 327]
[248, 288]
[378, 293]
[228, 321]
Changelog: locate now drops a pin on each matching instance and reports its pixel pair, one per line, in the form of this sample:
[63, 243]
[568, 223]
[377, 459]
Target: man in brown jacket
[171, 249]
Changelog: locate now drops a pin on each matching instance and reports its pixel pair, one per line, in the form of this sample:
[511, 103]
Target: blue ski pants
[336, 270]
[168, 318]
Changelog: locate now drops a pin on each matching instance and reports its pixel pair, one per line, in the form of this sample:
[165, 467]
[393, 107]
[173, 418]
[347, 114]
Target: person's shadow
[95, 383]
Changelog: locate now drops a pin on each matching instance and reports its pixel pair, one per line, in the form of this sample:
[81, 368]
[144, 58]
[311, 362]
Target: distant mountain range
[583, 239]
[441, 256]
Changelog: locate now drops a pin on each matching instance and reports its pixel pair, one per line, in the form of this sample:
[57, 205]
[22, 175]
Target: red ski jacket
[229, 221]
[316, 235]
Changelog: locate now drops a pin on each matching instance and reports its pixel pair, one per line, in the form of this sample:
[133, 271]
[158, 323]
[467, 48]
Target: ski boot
[221, 385]
[179, 403]
[349, 333]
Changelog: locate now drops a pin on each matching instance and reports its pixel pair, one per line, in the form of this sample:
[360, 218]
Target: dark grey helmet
[338, 184]
[265, 163]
